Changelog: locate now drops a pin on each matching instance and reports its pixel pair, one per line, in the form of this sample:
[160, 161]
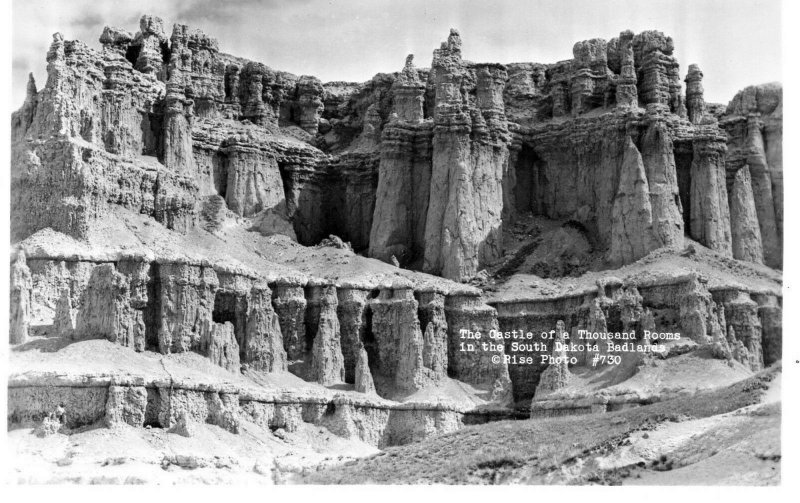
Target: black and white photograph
[327, 242]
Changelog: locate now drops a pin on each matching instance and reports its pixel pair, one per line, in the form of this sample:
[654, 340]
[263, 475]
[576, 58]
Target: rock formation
[463, 226]
[631, 214]
[753, 122]
[363, 376]
[327, 359]
[106, 311]
[556, 375]
[745, 232]
[20, 300]
[263, 344]
[206, 158]
[64, 318]
[220, 346]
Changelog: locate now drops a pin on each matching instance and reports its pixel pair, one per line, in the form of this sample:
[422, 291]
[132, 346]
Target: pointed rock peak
[454, 40]
[31, 89]
[58, 37]
[409, 75]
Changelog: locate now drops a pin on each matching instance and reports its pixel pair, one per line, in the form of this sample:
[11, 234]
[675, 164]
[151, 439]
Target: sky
[736, 42]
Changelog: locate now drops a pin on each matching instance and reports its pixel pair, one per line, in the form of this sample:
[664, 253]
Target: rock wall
[753, 122]
[425, 166]
[177, 406]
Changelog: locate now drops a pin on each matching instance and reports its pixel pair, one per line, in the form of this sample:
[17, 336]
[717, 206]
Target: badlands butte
[220, 270]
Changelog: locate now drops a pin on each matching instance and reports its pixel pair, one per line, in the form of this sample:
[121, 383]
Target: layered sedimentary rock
[753, 122]
[20, 300]
[710, 212]
[404, 175]
[556, 375]
[631, 214]
[363, 376]
[423, 165]
[186, 297]
[477, 367]
[695, 103]
[64, 318]
[745, 231]
[290, 303]
[219, 344]
[106, 311]
[420, 168]
[470, 147]
[398, 345]
[352, 313]
[263, 344]
[327, 359]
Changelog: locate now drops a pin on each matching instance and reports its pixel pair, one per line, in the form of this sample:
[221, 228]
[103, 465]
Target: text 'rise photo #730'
[327, 242]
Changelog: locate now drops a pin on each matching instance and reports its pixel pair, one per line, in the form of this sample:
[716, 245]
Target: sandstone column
[710, 215]
[662, 178]
[695, 104]
[20, 300]
[627, 94]
[470, 148]
[394, 222]
[263, 344]
[762, 193]
[632, 235]
[745, 232]
[327, 359]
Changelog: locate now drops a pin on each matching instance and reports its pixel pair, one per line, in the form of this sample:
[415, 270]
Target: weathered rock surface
[20, 300]
[556, 375]
[631, 215]
[745, 231]
[263, 345]
[106, 311]
[753, 122]
[64, 319]
[327, 359]
[220, 346]
[363, 378]
[424, 169]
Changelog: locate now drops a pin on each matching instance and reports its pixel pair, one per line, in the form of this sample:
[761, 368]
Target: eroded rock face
[470, 148]
[700, 319]
[263, 345]
[352, 313]
[219, 345]
[289, 302]
[64, 319]
[20, 300]
[106, 311]
[753, 121]
[186, 297]
[631, 214]
[745, 232]
[363, 376]
[327, 359]
[126, 405]
[466, 312]
[556, 375]
[425, 166]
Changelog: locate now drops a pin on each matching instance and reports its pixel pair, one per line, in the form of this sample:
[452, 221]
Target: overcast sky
[735, 42]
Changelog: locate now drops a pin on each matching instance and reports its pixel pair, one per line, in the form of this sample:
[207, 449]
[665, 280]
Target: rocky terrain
[247, 274]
